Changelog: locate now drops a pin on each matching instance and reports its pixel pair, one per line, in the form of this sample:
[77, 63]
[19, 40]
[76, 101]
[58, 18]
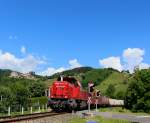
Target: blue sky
[62, 30]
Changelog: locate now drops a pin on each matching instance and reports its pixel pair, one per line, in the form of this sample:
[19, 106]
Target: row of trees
[19, 92]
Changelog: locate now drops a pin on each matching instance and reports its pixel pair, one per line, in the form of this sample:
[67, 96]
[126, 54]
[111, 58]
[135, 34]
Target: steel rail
[9, 119]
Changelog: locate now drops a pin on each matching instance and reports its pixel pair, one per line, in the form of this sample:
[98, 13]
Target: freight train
[66, 93]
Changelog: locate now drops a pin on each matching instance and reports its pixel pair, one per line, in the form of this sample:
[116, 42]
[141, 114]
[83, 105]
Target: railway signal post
[96, 102]
[89, 104]
[98, 93]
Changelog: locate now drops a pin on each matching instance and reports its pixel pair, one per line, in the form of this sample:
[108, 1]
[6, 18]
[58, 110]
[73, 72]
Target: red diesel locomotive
[67, 94]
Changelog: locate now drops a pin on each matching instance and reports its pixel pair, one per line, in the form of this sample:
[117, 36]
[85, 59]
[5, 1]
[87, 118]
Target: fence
[20, 110]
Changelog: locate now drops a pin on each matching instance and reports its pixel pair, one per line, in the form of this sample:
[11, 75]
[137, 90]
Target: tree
[120, 95]
[21, 94]
[37, 89]
[110, 91]
[138, 93]
[6, 98]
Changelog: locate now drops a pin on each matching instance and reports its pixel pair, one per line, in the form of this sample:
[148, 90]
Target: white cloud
[0, 52]
[144, 66]
[51, 70]
[23, 50]
[25, 64]
[133, 52]
[133, 57]
[74, 63]
[111, 62]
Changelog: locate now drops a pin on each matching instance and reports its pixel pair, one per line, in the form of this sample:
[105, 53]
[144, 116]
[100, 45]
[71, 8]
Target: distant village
[29, 75]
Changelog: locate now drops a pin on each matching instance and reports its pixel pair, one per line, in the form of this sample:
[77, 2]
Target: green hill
[118, 80]
[73, 72]
[96, 76]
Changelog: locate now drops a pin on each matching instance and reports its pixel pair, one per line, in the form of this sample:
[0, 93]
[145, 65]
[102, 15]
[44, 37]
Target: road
[130, 117]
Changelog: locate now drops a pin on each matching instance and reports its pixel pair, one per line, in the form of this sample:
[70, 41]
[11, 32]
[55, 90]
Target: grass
[114, 109]
[97, 119]
[115, 79]
[121, 110]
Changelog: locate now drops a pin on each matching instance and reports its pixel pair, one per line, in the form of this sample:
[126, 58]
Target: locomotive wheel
[72, 104]
[83, 105]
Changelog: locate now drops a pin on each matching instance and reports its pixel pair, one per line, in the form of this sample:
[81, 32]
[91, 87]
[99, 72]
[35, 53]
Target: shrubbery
[138, 93]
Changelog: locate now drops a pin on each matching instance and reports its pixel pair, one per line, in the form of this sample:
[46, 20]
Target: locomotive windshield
[68, 79]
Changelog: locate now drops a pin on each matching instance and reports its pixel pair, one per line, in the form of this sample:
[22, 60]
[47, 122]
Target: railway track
[10, 119]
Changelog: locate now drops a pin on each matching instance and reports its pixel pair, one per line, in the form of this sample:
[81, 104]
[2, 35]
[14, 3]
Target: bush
[120, 95]
[110, 92]
[138, 93]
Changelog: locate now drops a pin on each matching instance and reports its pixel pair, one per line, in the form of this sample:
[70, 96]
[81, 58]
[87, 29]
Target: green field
[121, 110]
[114, 109]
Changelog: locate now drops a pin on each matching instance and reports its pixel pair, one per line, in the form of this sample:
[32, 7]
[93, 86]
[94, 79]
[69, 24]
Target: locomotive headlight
[66, 96]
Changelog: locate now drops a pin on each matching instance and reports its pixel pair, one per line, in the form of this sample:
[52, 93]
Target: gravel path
[130, 117]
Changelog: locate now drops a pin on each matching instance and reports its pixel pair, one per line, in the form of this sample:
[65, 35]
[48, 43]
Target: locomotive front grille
[60, 91]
